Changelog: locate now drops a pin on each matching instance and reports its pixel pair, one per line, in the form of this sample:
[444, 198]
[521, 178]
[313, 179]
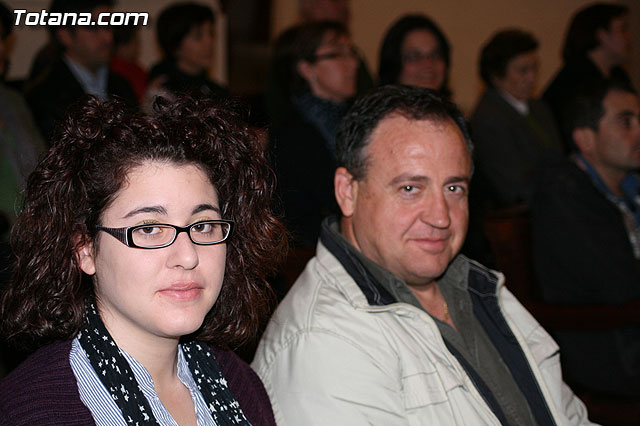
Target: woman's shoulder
[246, 386]
[42, 389]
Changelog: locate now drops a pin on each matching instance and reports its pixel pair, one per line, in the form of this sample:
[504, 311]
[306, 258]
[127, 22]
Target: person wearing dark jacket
[319, 63]
[81, 68]
[597, 44]
[185, 33]
[586, 235]
[515, 135]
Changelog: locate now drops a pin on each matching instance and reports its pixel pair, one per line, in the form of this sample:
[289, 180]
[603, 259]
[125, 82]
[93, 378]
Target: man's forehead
[399, 144]
[620, 101]
[396, 126]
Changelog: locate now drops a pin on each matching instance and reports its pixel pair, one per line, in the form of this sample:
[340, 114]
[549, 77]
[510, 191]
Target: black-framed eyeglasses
[159, 235]
[413, 56]
[338, 53]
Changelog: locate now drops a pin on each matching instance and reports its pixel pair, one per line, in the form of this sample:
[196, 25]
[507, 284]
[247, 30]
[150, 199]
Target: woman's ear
[85, 255]
[306, 71]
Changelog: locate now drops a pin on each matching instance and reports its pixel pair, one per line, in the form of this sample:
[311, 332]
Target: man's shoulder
[567, 185]
[324, 305]
[55, 78]
[322, 290]
[490, 103]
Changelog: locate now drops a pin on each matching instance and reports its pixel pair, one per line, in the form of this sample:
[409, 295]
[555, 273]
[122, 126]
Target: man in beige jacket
[388, 324]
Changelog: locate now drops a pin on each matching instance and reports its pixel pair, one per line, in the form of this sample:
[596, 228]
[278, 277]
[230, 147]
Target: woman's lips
[182, 292]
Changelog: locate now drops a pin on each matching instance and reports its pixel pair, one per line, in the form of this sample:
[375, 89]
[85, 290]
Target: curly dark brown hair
[99, 143]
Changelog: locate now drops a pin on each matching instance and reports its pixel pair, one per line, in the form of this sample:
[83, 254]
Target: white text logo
[80, 18]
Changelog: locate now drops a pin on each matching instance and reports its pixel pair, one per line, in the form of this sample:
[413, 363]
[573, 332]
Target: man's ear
[346, 190]
[65, 37]
[602, 36]
[585, 140]
[305, 69]
[85, 255]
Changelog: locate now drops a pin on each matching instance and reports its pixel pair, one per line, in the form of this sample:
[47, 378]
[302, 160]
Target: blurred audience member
[514, 133]
[20, 144]
[126, 50]
[82, 69]
[586, 234]
[324, 10]
[20, 141]
[598, 42]
[185, 32]
[277, 95]
[415, 52]
[319, 63]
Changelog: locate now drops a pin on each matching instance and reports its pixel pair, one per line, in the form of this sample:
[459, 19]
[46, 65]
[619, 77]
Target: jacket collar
[376, 283]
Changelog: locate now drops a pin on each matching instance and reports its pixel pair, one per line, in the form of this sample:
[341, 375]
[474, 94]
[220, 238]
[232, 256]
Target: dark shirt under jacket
[305, 169]
[583, 256]
[512, 148]
[570, 80]
[176, 81]
[57, 89]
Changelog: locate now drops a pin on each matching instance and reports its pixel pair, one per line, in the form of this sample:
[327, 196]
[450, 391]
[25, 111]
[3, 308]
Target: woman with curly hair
[141, 257]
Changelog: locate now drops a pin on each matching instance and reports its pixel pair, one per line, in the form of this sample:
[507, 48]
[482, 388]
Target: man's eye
[458, 189]
[408, 188]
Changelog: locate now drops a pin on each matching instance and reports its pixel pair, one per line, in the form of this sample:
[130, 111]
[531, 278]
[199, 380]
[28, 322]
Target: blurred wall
[468, 24]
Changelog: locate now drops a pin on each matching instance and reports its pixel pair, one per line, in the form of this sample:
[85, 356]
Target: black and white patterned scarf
[116, 375]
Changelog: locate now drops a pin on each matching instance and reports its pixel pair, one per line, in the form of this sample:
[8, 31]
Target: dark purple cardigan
[43, 390]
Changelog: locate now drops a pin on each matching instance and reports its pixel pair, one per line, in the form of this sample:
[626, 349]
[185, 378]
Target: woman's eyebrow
[162, 211]
[202, 207]
[147, 209]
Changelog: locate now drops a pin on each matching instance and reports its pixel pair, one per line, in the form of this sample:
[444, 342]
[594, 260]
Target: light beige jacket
[330, 358]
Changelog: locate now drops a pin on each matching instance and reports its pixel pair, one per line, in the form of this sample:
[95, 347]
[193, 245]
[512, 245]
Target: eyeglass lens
[200, 232]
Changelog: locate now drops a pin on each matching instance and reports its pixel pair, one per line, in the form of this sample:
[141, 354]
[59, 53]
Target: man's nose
[436, 211]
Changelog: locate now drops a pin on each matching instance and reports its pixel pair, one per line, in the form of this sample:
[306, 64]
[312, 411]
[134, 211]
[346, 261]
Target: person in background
[277, 95]
[319, 63]
[324, 10]
[185, 33]
[514, 133]
[20, 140]
[82, 67]
[141, 257]
[126, 50]
[20, 147]
[586, 234]
[597, 44]
[415, 52]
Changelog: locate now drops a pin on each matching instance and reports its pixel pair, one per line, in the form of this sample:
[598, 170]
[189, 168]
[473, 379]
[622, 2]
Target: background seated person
[586, 234]
[597, 44]
[388, 324]
[415, 52]
[319, 63]
[129, 278]
[277, 93]
[83, 67]
[185, 35]
[514, 133]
